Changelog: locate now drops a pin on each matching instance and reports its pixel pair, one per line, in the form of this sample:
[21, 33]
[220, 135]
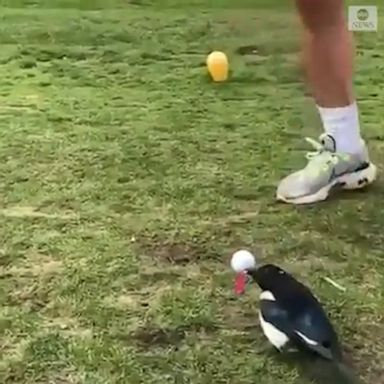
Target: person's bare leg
[328, 51]
[342, 157]
[328, 60]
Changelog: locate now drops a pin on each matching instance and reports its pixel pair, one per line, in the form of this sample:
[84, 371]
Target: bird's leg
[288, 348]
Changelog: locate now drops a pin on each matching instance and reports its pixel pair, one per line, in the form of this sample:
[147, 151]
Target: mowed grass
[127, 179]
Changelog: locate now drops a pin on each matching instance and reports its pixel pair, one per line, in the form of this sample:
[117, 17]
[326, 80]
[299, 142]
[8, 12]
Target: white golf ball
[242, 260]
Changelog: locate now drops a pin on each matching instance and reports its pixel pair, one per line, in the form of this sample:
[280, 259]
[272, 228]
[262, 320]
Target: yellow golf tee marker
[218, 67]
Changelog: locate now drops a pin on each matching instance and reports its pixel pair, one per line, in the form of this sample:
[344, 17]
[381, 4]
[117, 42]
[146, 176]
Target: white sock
[343, 124]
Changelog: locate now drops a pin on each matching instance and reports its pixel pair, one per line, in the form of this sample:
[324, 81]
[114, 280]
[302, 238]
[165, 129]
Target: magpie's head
[271, 276]
[244, 265]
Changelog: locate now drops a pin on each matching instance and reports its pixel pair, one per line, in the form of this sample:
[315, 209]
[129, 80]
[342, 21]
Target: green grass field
[127, 179]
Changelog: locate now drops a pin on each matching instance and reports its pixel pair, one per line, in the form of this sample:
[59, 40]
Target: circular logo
[362, 14]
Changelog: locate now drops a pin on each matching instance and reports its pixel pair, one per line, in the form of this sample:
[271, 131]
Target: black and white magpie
[290, 315]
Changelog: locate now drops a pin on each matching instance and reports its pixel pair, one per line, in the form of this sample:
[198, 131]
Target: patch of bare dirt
[176, 251]
[215, 245]
[151, 336]
[247, 50]
[367, 358]
[148, 335]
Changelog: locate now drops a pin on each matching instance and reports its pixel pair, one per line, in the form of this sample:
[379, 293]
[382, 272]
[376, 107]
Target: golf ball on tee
[242, 260]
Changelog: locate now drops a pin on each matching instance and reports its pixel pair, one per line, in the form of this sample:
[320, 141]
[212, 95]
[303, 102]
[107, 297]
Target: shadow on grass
[317, 370]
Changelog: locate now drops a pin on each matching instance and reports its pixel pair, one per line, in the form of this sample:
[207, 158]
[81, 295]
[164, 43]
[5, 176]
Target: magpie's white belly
[275, 337]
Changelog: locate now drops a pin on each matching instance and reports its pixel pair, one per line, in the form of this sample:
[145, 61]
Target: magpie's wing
[274, 314]
[309, 330]
[314, 331]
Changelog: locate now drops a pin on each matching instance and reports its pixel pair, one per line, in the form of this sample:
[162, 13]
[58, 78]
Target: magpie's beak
[241, 281]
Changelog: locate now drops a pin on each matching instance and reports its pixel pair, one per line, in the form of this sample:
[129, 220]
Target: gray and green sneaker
[326, 168]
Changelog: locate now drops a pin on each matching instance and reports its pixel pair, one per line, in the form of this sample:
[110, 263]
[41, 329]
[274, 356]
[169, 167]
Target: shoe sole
[349, 181]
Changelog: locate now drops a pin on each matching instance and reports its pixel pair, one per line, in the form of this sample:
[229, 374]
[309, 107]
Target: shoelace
[320, 153]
